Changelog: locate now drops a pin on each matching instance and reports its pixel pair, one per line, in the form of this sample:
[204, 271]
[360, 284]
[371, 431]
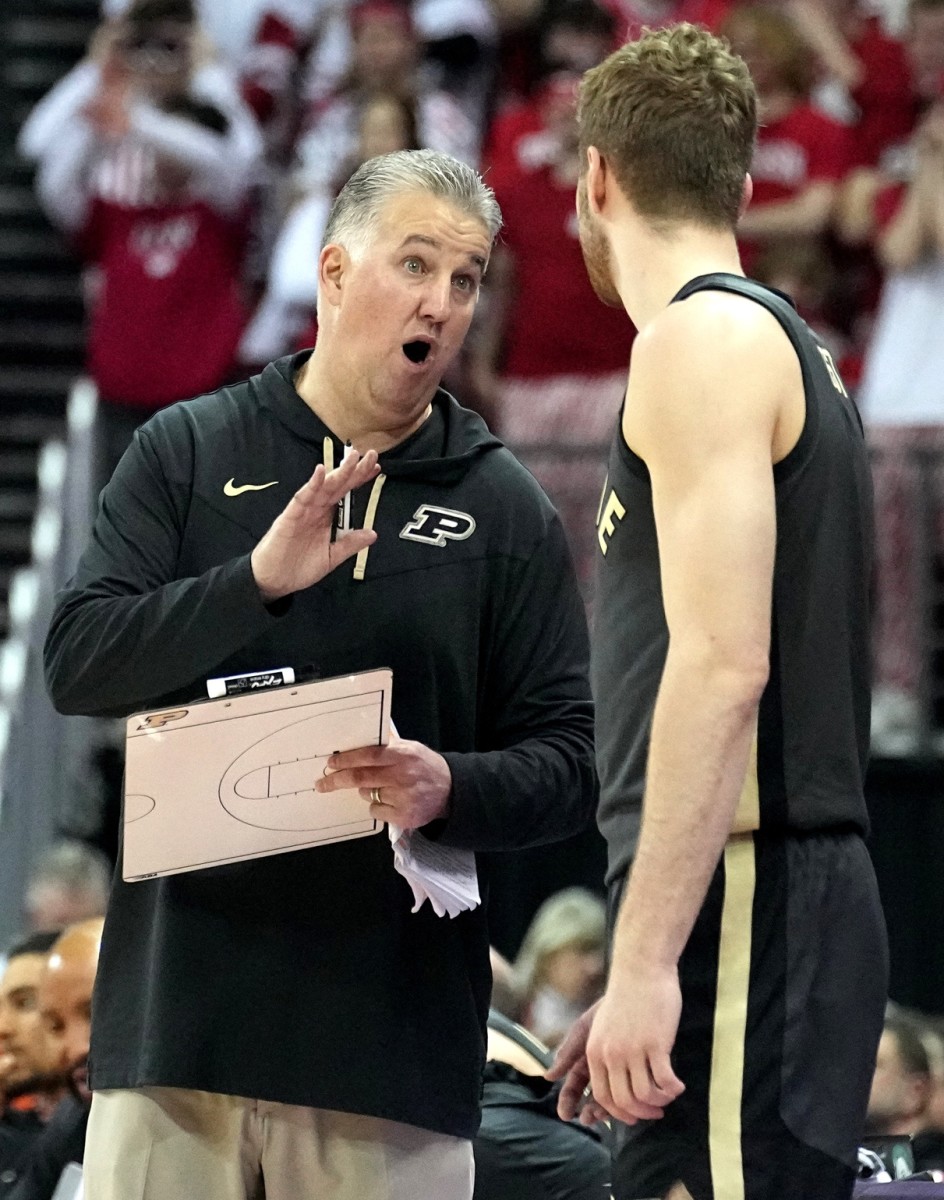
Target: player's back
[813, 721]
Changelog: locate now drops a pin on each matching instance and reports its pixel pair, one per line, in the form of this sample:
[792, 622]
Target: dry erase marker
[252, 681]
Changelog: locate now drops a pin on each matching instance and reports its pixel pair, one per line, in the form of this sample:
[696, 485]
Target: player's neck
[652, 269]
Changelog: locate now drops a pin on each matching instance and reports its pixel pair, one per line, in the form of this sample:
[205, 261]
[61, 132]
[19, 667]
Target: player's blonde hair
[674, 114]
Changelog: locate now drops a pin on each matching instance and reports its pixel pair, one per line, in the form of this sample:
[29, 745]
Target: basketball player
[737, 1035]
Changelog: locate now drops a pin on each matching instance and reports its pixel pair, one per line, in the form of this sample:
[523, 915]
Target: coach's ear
[599, 181]
[331, 264]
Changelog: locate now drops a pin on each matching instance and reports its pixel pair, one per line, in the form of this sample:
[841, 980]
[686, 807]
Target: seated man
[28, 1091]
[65, 1004]
[902, 1081]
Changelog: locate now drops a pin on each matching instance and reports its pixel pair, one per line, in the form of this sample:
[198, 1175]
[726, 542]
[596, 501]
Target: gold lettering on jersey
[613, 511]
[833, 373]
[606, 484]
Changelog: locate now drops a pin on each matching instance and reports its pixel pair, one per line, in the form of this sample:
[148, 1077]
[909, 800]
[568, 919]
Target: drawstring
[360, 563]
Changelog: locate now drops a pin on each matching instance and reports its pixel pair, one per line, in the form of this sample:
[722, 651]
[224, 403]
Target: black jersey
[813, 721]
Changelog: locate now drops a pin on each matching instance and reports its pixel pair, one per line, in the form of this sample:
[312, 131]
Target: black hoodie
[304, 977]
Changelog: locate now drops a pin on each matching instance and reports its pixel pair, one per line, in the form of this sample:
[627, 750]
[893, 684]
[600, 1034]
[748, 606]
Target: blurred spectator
[928, 1144]
[630, 16]
[29, 1090]
[550, 361]
[803, 270]
[505, 998]
[925, 39]
[230, 28]
[899, 210]
[801, 154]
[523, 1150]
[151, 181]
[303, 50]
[285, 318]
[560, 966]
[69, 883]
[574, 36]
[65, 997]
[901, 1084]
[385, 61]
[868, 76]
[169, 64]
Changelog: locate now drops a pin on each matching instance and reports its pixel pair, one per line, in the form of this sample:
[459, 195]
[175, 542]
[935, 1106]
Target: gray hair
[356, 211]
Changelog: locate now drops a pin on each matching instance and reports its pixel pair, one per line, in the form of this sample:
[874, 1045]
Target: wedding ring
[375, 796]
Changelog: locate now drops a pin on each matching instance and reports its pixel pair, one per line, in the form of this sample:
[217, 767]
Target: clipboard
[220, 781]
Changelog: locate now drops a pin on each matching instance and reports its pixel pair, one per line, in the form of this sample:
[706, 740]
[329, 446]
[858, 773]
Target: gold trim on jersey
[747, 814]
[726, 1083]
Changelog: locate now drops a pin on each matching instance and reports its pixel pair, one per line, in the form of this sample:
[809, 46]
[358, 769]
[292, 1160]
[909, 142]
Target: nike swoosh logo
[230, 489]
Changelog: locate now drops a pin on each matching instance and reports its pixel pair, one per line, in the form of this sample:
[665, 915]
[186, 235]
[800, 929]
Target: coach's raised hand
[297, 551]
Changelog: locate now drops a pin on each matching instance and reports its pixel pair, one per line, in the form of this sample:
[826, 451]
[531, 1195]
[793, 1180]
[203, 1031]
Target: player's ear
[598, 180]
[331, 269]
[746, 196]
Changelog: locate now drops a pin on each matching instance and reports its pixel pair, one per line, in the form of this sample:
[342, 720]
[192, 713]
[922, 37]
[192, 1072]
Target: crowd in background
[195, 182]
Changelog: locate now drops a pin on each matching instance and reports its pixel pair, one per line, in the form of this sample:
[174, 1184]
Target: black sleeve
[539, 782]
[126, 632]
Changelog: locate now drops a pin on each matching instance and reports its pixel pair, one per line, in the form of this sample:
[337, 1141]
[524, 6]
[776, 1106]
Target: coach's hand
[297, 551]
[630, 1043]
[405, 783]
[570, 1064]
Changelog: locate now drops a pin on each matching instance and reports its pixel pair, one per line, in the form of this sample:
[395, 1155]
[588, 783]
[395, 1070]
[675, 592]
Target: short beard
[596, 251]
[45, 1083]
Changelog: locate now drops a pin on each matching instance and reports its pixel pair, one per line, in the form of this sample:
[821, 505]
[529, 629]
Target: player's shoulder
[708, 335]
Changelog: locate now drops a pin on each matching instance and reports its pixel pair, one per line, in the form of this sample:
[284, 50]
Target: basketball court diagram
[231, 779]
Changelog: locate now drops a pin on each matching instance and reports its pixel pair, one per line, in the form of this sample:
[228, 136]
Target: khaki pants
[171, 1144]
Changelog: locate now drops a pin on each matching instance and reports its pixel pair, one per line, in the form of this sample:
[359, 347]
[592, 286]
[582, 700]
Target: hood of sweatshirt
[441, 451]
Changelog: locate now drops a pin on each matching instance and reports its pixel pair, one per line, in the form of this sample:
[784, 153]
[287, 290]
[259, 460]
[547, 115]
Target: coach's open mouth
[417, 352]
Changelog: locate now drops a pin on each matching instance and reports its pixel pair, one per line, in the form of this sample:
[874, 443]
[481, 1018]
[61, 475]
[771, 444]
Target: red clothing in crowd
[522, 118]
[270, 63]
[885, 98]
[557, 325]
[169, 316]
[506, 144]
[802, 148]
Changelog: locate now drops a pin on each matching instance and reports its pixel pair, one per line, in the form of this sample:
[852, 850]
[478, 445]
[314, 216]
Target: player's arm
[704, 422]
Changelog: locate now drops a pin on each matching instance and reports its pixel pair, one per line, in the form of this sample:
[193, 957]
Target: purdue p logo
[159, 720]
[436, 526]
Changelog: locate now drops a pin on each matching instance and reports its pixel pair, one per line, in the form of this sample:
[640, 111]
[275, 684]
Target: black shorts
[784, 984]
